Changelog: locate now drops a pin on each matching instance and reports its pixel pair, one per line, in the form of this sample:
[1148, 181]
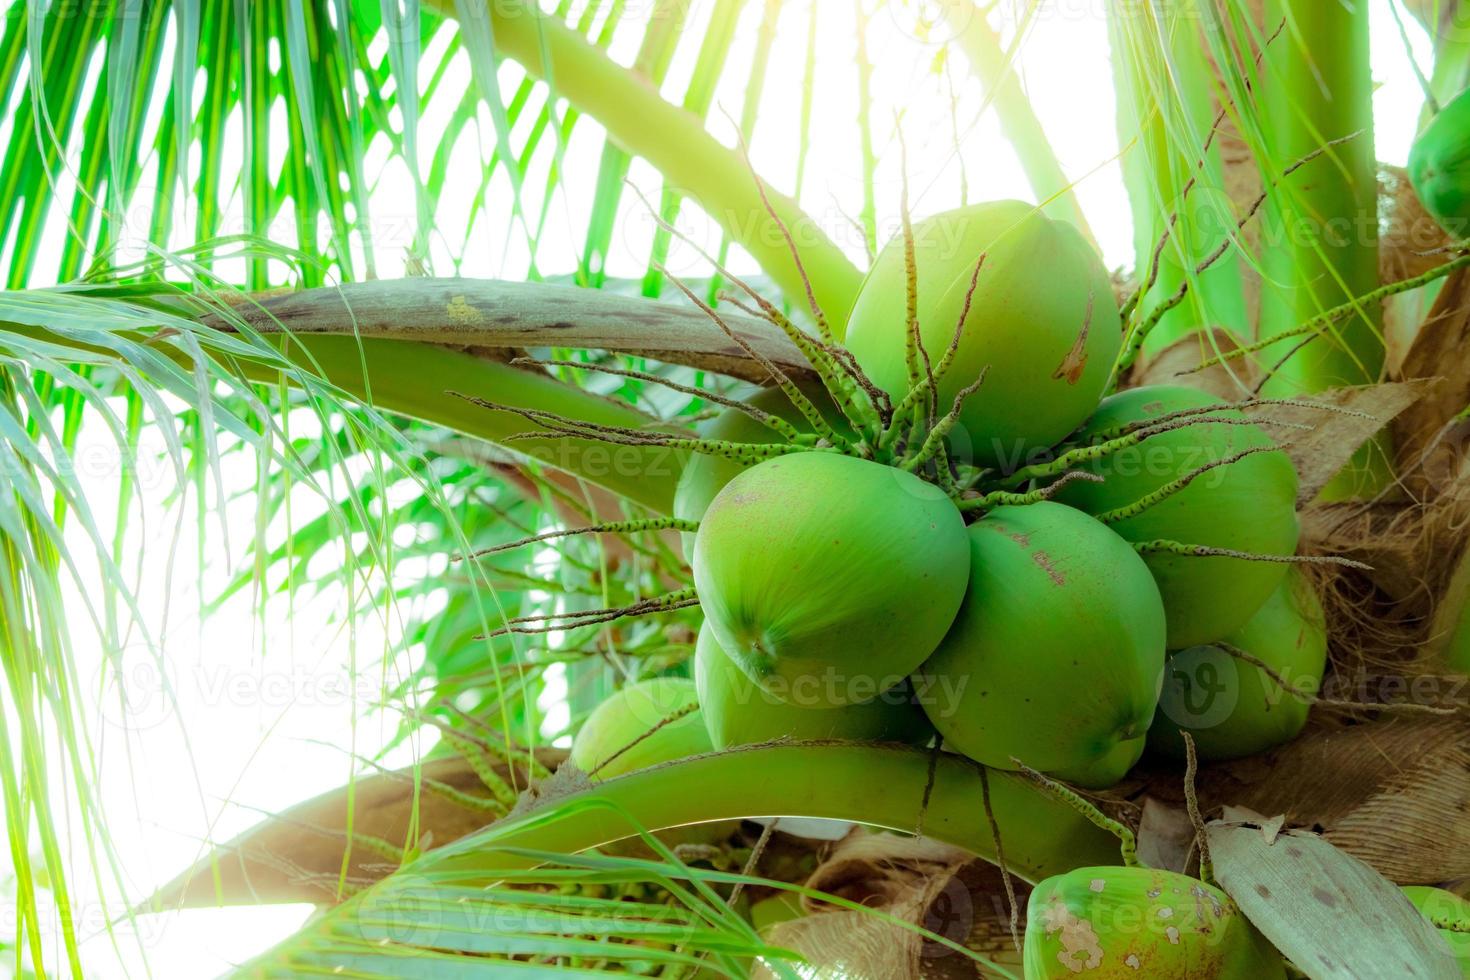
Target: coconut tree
[195, 249]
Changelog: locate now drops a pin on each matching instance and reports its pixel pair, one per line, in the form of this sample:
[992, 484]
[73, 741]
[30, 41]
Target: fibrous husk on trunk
[915, 880]
[1394, 791]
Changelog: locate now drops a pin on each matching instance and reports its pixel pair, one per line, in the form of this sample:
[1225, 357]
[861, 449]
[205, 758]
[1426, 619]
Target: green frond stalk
[1169, 120]
[1321, 222]
[714, 51]
[638, 119]
[1042, 835]
[995, 66]
[394, 376]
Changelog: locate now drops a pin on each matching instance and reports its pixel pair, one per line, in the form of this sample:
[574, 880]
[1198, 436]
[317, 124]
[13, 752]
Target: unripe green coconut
[1231, 707]
[1107, 771]
[1043, 322]
[737, 711]
[816, 565]
[1112, 923]
[1248, 505]
[1450, 913]
[704, 476]
[1057, 653]
[611, 740]
[1439, 166]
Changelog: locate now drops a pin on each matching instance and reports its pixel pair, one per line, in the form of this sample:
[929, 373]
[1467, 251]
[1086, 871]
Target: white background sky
[264, 707]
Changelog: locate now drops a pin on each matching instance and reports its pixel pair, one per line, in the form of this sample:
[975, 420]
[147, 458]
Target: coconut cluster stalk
[1321, 223]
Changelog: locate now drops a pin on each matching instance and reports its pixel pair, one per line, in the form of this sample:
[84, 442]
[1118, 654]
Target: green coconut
[1056, 655]
[1439, 166]
[1231, 707]
[1043, 324]
[820, 568]
[1450, 913]
[738, 711]
[630, 730]
[1107, 771]
[704, 476]
[1248, 506]
[1112, 923]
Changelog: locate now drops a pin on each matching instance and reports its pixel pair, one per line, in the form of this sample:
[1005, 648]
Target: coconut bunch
[960, 535]
[966, 537]
[960, 527]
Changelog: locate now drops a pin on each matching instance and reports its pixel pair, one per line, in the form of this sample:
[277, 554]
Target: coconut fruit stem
[840, 375]
[1203, 551]
[823, 355]
[803, 404]
[1004, 498]
[611, 527]
[934, 441]
[662, 723]
[784, 428]
[1196, 819]
[1174, 486]
[1352, 307]
[1094, 451]
[1127, 841]
[1140, 333]
[928, 387]
[623, 436]
[1307, 697]
[552, 622]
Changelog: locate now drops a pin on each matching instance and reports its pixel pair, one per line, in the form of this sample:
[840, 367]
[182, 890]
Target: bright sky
[267, 710]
